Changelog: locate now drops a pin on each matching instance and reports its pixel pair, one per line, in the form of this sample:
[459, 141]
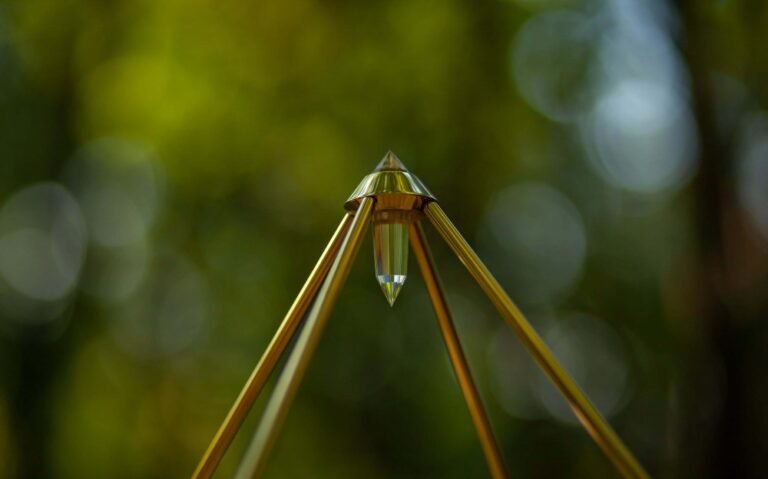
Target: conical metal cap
[394, 187]
[390, 162]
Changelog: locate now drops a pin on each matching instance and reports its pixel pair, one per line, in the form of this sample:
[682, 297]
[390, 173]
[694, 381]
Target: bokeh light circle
[117, 185]
[641, 137]
[551, 61]
[42, 242]
[169, 311]
[587, 347]
[753, 171]
[537, 238]
[596, 358]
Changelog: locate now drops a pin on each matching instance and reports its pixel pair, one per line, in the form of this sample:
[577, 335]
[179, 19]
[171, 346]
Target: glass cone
[390, 252]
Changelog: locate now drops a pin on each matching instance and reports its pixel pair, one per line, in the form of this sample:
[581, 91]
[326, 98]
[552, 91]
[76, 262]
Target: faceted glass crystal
[390, 252]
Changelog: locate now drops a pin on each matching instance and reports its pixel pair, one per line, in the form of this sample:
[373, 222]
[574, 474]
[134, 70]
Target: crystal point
[390, 252]
[391, 286]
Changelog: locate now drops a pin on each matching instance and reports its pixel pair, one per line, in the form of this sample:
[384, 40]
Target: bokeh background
[171, 169]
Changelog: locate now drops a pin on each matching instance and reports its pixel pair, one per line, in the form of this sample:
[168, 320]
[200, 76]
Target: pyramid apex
[394, 187]
[390, 162]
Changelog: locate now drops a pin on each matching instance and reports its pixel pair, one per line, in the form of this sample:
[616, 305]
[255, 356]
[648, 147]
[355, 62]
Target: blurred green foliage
[170, 171]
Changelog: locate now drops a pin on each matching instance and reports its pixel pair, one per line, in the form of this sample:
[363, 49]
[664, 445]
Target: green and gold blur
[171, 170]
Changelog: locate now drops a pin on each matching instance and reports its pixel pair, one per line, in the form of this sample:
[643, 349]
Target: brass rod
[586, 413]
[254, 460]
[460, 366]
[255, 383]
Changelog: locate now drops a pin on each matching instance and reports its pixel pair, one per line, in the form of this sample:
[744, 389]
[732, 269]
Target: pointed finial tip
[391, 286]
[391, 162]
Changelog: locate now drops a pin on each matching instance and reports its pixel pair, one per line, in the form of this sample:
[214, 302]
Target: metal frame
[266, 365]
[389, 188]
[475, 404]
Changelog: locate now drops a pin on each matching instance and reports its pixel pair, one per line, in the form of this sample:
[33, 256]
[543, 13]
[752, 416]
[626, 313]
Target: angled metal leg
[254, 460]
[479, 417]
[589, 417]
[263, 369]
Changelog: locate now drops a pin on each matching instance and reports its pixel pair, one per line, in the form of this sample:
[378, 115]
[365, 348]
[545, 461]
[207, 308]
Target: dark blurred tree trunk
[39, 351]
[716, 433]
[31, 403]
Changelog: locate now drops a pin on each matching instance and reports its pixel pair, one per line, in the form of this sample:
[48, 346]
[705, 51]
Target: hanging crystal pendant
[390, 252]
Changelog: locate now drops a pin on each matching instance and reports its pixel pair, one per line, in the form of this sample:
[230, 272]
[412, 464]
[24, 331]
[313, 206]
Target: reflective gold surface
[254, 460]
[394, 187]
[589, 417]
[274, 351]
[460, 366]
